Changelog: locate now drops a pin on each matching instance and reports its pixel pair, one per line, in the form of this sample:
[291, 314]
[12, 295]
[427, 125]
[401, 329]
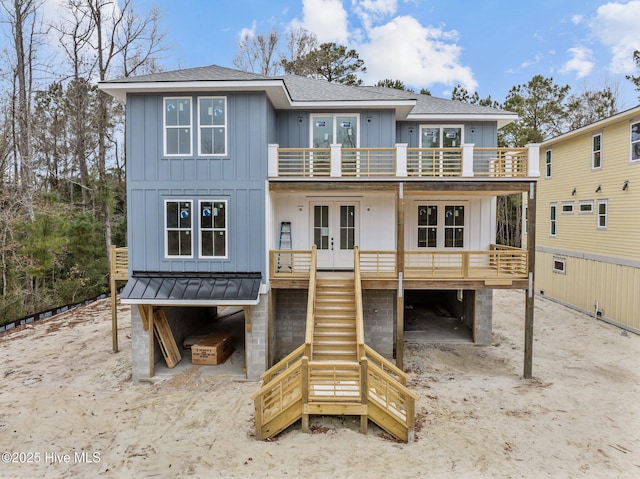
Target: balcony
[500, 265]
[402, 162]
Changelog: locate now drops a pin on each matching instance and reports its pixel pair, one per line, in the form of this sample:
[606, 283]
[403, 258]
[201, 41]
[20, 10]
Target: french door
[335, 232]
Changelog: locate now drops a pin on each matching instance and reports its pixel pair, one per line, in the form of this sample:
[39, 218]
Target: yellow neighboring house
[588, 220]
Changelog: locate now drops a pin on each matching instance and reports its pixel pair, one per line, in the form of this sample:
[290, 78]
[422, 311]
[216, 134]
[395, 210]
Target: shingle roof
[304, 89]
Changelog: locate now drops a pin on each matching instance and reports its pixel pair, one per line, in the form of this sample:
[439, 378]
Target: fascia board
[501, 119]
[275, 88]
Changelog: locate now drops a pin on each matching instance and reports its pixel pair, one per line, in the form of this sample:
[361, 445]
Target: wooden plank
[166, 340]
[145, 313]
[337, 409]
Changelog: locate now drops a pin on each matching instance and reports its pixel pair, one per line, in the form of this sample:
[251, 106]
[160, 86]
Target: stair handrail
[394, 410]
[280, 396]
[311, 301]
[284, 364]
[359, 309]
[385, 365]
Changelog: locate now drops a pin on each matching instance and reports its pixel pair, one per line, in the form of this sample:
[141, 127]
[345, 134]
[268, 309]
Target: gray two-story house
[260, 192]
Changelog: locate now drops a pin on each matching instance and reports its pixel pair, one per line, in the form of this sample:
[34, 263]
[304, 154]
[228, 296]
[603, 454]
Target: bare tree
[300, 43]
[257, 53]
[22, 16]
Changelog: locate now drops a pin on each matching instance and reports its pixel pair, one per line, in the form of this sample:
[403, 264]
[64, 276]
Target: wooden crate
[213, 349]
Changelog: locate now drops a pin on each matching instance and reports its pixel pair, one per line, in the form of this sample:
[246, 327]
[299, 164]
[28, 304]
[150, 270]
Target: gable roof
[298, 92]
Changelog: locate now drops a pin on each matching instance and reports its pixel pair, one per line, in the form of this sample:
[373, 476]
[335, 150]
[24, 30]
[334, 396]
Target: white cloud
[326, 18]
[420, 56]
[581, 62]
[370, 11]
[577, 19]
[528, 63]
[616, 26]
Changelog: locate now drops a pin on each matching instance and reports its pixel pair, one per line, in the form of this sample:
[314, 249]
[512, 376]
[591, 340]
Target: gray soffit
[192, 289]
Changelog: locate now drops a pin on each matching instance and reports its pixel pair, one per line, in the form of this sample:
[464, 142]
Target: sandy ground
[68, 408]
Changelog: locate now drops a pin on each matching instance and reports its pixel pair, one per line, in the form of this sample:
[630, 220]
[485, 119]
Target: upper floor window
[547, 164]
[553, 219]
[177, 126]
[329, 129]
[567, 208]
[596, 152]
[212, 126]
[453, 226]
[445, 136]
[213, 229]
[602, 214]
[178, 229]
[635, 142]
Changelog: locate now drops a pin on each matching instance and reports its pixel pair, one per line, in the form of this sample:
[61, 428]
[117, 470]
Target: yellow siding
[571, 160]
[614, 288]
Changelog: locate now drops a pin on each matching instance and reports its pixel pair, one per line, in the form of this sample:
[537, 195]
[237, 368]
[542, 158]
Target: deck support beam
[529, 301]
[400, 268]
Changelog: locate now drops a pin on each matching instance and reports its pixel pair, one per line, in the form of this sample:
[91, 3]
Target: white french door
[335, 232]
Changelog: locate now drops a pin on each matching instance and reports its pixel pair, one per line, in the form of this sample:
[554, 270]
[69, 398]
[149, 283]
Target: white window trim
[553, 222]
[567, 203]
[632, 143]
[442, 127]
[563, 261]
[548, 172]
[593, 167]
[606, 214]
[585, 202]
[166, 229]
[225, 126]
[165, 126]
[226, 228]
[312, 116]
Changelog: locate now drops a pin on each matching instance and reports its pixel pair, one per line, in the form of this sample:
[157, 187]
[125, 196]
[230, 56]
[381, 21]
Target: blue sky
[485, 45]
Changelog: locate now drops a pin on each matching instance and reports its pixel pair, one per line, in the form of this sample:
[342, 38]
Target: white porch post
[272, 160]
[336, 161]
[534, 160]
[401, 159]
[467, 159]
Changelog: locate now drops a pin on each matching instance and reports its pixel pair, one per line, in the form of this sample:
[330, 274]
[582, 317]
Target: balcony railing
[403, 162]
[499, 262]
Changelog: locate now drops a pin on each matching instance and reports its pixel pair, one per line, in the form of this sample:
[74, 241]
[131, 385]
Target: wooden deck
[500, 266]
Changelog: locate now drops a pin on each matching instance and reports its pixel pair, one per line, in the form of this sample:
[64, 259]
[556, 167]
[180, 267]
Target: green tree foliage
[635, 79]
[461, 94]
[540, 107]
[394, 84]
[330, 61]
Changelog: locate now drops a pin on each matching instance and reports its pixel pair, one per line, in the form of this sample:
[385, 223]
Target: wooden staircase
[334, 323]
[334, 372]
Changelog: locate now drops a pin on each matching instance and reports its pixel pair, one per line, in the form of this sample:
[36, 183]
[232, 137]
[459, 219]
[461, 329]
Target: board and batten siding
[237, 177]
[602, 266]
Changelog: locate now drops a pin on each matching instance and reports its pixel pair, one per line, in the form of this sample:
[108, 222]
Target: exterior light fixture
[625, 187]
[573, 193]
[599, 189]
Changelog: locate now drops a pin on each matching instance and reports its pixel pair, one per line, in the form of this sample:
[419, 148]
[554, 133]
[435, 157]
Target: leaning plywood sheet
[165, 338]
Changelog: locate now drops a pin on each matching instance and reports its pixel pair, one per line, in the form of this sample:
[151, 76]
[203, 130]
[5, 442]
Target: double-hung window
[547, 164]
[602, 214]
[427, 226]
[596, 152]
[177, 126]
[213, 229]
[212, 126]
[635, 142]
[553, 219]
[178, 229]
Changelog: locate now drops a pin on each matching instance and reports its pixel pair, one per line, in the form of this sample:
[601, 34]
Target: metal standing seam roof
[182, 289]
